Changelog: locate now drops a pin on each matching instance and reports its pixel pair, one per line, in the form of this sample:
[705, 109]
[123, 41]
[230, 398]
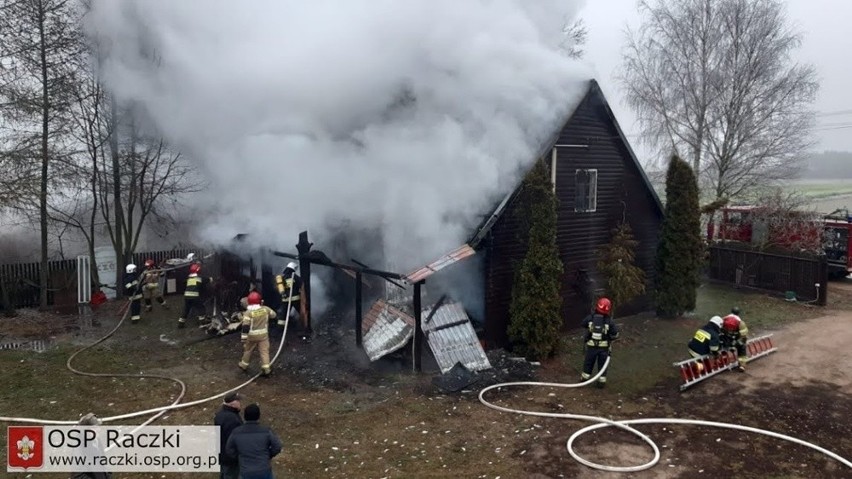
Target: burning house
[598, 182]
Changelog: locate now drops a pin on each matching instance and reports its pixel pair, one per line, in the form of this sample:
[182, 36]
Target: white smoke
[414, 116]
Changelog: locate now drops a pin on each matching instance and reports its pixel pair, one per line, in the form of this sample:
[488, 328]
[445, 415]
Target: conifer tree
[536, 307]
[679, 249]
[624, 280]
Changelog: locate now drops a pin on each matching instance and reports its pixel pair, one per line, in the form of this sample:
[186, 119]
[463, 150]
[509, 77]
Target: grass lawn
[388, 425]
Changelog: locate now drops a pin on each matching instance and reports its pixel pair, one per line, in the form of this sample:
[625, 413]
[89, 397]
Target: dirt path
[817, 349]
[804, 389]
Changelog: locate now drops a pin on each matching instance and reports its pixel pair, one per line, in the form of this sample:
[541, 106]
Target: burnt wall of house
[621, 194]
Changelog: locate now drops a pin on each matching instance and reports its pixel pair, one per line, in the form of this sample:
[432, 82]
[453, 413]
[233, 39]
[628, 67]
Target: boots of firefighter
[135, 310]
[162, 301]
[148, 305]
[601, 383]
[181, 322]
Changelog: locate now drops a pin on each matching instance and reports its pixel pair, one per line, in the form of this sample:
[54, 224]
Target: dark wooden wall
[621, 193]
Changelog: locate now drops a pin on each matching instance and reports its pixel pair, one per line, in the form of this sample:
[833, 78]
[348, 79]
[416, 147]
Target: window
[586, 199]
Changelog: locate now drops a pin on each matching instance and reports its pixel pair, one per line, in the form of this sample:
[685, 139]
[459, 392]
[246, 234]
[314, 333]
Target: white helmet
[131, 268]
[716, 320]
[190, 256]
[292, 265]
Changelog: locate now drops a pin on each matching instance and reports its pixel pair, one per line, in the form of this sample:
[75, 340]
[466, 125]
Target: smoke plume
[409, 116]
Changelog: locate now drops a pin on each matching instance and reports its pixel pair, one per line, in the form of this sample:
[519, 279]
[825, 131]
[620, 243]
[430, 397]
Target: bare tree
[714, 81]
[574, 35]
[41, 41]
[153, 181]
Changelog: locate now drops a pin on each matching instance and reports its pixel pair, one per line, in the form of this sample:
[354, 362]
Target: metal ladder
[695, 370]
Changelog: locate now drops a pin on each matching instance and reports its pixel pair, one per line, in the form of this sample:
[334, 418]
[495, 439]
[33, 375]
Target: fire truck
[748, 224]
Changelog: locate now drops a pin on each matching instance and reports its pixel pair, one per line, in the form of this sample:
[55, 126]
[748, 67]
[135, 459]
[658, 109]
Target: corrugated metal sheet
[455, 256]
[385, 329]
[452, 339]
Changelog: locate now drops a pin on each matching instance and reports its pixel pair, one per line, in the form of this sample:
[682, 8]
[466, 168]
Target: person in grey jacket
[253, 445]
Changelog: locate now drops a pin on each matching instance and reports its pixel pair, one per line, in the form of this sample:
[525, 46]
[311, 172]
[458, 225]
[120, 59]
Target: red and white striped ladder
[695, 370]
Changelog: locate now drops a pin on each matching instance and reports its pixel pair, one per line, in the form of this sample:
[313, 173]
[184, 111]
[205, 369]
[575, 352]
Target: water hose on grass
[159, 411]
[625, 425]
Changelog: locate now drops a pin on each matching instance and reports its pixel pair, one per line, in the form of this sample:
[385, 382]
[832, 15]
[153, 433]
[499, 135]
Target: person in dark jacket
[706, 340]
[228, 419]
[253, 445]
[133, 291]
[600, 333]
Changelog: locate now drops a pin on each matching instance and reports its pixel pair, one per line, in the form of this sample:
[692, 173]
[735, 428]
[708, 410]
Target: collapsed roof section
[448, 331]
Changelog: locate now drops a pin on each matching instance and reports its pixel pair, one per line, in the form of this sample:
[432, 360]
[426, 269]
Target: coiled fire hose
[601, 422]
[159, 411]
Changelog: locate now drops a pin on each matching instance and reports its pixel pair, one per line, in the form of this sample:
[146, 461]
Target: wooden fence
[771, 271]
[21, 280]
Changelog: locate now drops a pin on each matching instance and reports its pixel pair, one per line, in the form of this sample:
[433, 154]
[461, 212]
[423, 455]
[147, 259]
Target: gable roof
[594, 89]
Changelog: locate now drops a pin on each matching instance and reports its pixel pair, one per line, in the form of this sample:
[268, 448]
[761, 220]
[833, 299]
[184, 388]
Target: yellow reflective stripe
[255, 332]
[701, 336]
[191, 293]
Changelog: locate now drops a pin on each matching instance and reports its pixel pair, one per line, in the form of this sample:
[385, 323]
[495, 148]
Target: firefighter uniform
[255, 335]
[706, 340]
[600, 332]
[134, 294]
[735, 335]
[151, 288]
[289, 283]
[192, 298]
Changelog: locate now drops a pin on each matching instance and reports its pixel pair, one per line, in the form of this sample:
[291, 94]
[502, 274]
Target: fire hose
[601, 422]
[159, 411]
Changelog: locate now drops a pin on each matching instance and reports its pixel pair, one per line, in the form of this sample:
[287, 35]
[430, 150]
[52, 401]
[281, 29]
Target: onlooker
[93, 449]
[253, 445]
[228, 419]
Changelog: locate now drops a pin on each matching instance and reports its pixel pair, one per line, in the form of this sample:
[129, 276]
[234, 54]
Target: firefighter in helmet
[254, 332]
[601, 331]
[133, 292]
[706, 340]
[151, 285]
[192, 300]
[735, 335]
[292, 291]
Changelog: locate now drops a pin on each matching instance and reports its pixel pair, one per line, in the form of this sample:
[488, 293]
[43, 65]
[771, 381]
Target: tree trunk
[116, 197]
[45, 129]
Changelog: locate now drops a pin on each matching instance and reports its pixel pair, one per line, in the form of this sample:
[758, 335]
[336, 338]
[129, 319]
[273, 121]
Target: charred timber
[320, 258]
[386, 279]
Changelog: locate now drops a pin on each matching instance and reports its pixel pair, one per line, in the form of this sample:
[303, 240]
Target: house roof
[593, 89]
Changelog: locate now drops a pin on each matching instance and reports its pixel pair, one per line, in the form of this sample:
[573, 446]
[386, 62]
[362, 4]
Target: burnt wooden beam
[318, 257]
[359, 318]
[418, 330]
[304, 248]
[436, 307]
[386, 279]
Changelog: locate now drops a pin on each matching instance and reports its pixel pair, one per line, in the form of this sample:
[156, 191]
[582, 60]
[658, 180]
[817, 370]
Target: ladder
[695, 370]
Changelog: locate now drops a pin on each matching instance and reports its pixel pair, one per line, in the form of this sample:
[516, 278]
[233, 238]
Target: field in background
[825, 196]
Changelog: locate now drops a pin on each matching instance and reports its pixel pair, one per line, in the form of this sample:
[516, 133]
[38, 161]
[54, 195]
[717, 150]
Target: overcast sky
[827, 45]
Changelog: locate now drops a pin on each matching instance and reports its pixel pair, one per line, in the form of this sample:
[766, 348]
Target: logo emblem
[25, 448]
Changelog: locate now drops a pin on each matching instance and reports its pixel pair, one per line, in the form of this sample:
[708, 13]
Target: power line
[838, 127]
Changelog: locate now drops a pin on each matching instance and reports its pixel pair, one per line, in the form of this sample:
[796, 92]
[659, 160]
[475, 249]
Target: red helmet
[254, 298]
[194, 268]
[149, 263]
[603, 306]
[731, 323]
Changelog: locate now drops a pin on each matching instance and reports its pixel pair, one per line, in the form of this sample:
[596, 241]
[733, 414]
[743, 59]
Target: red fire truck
[748, 224]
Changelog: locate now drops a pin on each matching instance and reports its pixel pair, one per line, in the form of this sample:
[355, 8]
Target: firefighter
[195, 284]
[151, 285]
[133, 292]
[600, 334]
[706, 340]
[735, 334]
[292, 289]
[254, 332]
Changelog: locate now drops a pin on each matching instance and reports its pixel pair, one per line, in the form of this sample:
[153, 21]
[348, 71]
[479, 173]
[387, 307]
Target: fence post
[822, 275]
